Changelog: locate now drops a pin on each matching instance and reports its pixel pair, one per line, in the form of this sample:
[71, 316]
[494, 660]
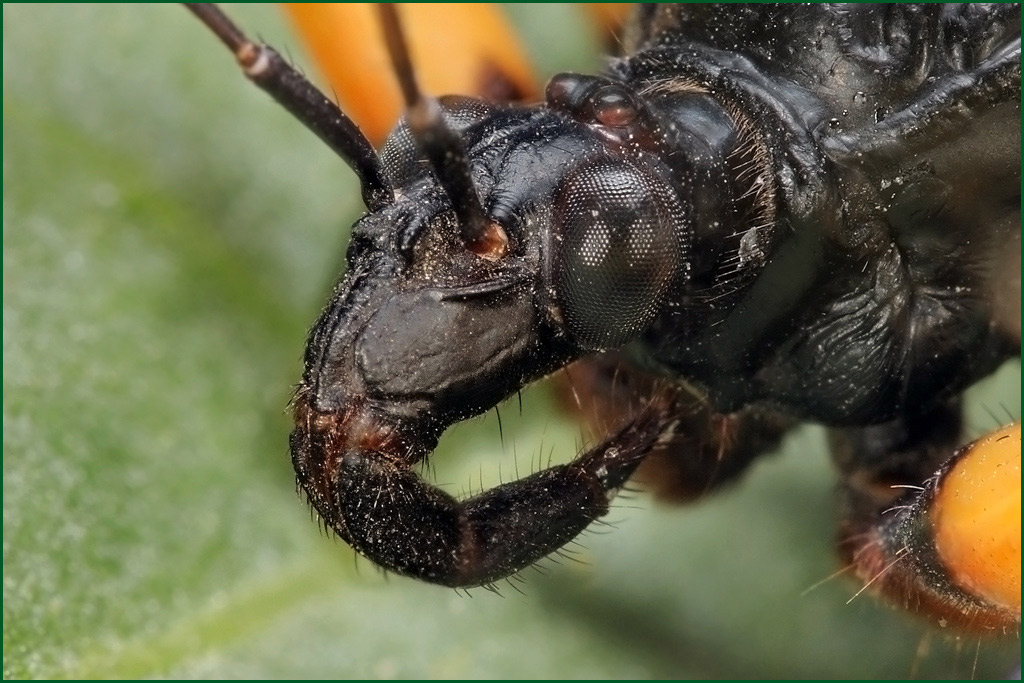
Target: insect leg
[707, 449]
[938, 534]
[476, 53]
[387, 513]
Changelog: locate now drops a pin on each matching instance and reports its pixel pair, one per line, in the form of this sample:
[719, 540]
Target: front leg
[390, 515]
[708, 450]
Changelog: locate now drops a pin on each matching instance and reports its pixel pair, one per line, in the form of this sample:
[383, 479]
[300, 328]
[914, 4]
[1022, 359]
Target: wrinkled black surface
[826, 190]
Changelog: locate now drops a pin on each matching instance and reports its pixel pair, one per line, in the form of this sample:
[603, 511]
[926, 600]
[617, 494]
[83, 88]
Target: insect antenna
[267, 69]
[439, 143]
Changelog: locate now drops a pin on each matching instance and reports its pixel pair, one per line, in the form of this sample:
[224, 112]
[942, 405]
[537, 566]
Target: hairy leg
[933, 527]
[707, 449]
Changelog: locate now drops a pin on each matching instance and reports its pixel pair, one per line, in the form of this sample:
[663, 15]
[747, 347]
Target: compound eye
[614, 106]
[618, 246]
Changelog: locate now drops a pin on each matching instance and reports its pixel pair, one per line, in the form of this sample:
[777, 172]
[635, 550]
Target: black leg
[387, 513]
[707, 449]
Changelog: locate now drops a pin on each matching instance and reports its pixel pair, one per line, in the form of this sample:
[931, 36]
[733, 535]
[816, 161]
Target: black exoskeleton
[802, 212]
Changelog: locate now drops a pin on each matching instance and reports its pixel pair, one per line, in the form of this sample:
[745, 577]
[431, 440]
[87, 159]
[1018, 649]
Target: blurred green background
[168, 235]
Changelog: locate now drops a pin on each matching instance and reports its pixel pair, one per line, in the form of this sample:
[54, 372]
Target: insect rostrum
[792, 211]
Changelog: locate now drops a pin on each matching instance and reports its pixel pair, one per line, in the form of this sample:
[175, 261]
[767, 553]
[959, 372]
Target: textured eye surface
[620, 239]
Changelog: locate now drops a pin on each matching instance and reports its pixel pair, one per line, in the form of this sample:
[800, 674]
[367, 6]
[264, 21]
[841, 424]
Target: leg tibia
[407, 526]
[707, 449]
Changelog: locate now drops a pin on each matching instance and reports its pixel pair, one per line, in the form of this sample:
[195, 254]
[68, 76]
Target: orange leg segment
[609, 18]
[947, 543]
[467, 49]
[609, 15]
[976, 517]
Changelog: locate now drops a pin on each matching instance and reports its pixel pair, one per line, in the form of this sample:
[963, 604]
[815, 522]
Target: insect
[759, 215]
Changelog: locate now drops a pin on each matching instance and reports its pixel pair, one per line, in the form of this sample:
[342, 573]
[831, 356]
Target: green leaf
[168, 235]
